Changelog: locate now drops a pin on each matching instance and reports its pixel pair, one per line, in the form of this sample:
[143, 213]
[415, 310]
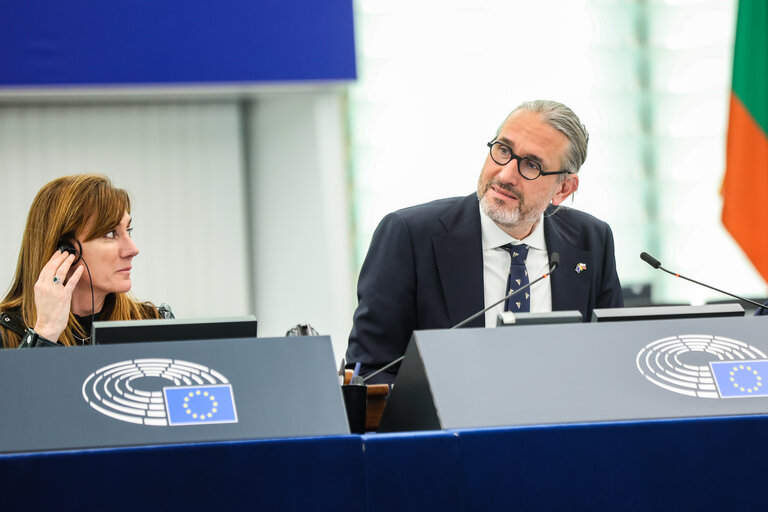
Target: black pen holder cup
[355, 397]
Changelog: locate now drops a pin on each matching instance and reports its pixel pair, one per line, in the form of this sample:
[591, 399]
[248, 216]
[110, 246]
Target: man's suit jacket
[424, 270]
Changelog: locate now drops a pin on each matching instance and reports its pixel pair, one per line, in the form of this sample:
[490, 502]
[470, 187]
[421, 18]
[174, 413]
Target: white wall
[302, 254]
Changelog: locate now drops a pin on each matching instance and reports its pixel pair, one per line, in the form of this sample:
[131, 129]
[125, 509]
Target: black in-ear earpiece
[65, 245]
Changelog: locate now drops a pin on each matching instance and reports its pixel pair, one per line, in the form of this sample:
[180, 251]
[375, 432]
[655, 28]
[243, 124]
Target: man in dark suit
[433, 265]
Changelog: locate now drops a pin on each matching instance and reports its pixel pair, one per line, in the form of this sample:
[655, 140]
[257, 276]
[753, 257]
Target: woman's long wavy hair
[62, 209]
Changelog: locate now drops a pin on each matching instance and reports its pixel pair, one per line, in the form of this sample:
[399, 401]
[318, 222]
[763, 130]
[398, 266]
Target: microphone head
[554, 261]
[650, 260]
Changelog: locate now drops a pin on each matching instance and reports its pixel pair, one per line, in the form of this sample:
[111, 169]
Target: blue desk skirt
[706, 464]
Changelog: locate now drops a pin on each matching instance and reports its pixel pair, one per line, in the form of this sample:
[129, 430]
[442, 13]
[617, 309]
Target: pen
[355, 372]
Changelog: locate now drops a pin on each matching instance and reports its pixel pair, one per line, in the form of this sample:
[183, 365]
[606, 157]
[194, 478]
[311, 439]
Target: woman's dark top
[12, 321]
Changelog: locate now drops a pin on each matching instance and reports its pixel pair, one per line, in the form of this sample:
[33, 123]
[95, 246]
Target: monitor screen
[666, 312]
[173, 329]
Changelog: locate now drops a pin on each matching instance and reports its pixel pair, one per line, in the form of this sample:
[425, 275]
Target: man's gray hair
[564, 120]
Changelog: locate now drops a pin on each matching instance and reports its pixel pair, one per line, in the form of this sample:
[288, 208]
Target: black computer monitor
[173, 329]
[666, 312]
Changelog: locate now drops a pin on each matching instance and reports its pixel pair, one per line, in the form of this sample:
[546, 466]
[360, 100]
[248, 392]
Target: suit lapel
[571, 281]
[459, 260]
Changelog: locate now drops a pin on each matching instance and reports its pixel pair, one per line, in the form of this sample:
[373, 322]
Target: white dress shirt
[496, 267]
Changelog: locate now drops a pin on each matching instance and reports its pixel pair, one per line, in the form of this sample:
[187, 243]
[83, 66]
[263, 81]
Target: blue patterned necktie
[518, 277]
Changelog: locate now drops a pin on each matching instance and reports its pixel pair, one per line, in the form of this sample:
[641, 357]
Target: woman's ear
[67, 244]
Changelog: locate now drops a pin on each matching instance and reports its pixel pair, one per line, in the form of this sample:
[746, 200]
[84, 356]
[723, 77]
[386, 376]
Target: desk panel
[296, 474]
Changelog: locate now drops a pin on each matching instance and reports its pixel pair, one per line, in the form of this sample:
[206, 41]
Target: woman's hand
[53, 295]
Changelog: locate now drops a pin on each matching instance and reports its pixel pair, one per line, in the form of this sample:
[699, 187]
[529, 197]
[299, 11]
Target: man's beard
[505, 216]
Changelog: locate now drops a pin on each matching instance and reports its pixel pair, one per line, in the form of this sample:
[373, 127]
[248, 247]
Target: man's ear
[565, 188]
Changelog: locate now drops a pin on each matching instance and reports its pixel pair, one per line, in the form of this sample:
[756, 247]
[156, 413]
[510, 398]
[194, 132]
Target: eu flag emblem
[738, 379]
[199, 405]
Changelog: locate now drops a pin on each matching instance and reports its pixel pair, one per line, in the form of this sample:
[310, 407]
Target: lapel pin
[580, 267]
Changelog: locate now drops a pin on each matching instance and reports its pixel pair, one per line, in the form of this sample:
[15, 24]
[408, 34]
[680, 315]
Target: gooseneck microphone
[651, 260]
[657, 264]
[554, 262]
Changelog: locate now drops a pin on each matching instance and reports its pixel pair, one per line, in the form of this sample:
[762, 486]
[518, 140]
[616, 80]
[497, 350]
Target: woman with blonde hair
[74, 266]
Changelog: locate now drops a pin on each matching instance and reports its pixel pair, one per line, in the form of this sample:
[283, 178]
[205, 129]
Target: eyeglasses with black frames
[528, 168]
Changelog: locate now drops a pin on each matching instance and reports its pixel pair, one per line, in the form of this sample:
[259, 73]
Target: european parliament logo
[705, 366]
[161, 392]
